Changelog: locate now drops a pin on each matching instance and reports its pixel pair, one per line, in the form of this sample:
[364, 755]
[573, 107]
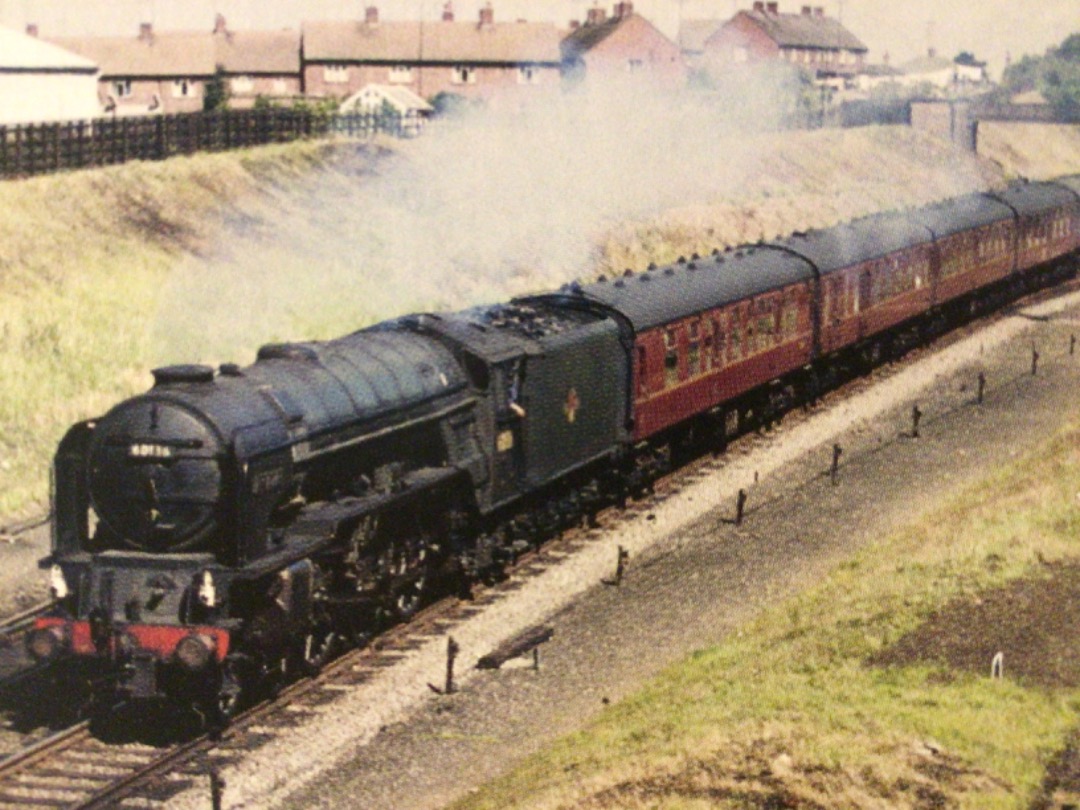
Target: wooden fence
[44, 148]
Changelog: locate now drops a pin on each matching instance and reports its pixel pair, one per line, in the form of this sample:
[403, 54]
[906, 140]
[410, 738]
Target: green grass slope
[812, 706]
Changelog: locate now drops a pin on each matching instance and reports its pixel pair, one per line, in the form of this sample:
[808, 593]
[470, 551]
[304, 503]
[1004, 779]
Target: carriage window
[735, 331]
[718, 342]
[791, 319]
[642, 382]
[693, 357]
[671, 358]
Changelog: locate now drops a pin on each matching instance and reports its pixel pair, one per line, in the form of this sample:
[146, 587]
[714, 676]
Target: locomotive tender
[231, 525]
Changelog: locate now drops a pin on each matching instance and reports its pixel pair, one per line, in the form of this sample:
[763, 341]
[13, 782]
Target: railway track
[75, 769]
[14, 662]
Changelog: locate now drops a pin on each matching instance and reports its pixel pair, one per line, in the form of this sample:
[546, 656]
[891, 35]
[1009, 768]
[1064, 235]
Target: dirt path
[693, 577]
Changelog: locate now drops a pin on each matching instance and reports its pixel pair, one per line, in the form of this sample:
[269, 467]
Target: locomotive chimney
[146, 32]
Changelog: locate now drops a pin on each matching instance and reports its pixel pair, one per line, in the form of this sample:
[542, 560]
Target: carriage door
[511, 410]
[863, 302]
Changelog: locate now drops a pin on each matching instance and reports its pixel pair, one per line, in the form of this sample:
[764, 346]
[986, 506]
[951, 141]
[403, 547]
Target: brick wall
[636, 47]
[154, 95]
[270, 87]
[737, 37]
[429, 81]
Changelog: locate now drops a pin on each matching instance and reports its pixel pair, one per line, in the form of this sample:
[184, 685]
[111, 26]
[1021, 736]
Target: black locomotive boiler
[233, 525]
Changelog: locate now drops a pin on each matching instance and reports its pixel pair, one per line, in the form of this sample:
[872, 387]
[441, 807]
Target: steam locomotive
[234, 525]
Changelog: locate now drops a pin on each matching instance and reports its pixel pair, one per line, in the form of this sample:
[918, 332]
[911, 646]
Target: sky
[903, 29]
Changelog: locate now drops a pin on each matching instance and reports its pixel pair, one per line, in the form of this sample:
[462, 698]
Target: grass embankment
[1034, 151]
[82, 258]
[800, 710]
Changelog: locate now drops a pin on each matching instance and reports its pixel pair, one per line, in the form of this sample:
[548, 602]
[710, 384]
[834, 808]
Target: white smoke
[501, 203]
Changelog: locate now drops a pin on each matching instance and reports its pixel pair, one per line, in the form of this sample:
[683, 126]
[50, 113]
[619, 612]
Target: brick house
[810, 39]
[163, 73]
[258, 64]
[152, 73]
[482, 59]
[626, 44]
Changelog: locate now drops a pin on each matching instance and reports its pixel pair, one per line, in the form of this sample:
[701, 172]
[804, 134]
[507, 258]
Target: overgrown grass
[789, 709]
[83, 257]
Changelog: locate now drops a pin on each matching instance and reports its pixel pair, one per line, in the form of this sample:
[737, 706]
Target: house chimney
[448, 12]
[773, 8]
[759, 6]
[371, 15]
[31, 29]
[623, 10]
[219, 24]
[575, 25]
[819, 11]
[806, 10]
[146, 32]
[487, 15]
[595, 16]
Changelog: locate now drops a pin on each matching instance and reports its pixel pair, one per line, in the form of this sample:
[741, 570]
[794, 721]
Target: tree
[1056, 75]
[1060, 86]
[216, 96]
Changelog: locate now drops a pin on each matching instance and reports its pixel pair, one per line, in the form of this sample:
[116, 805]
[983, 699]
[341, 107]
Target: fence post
[57, 158]
[19, 148]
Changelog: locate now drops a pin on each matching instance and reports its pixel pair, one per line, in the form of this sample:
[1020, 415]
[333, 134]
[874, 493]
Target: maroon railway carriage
[1072, 212]
[975, 238]
[710, 330]
[1047, 221]
[876, 272]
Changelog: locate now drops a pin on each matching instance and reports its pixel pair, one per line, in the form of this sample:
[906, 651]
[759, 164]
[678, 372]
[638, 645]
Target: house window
[336, 74]
[400, 74]
[184, 88]
[122, 88]
[528, 74]
[279, 87]
[463, 74]
[634, 65]
[243, 84]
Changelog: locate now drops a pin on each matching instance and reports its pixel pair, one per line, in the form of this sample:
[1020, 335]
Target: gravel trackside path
[693, 577]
